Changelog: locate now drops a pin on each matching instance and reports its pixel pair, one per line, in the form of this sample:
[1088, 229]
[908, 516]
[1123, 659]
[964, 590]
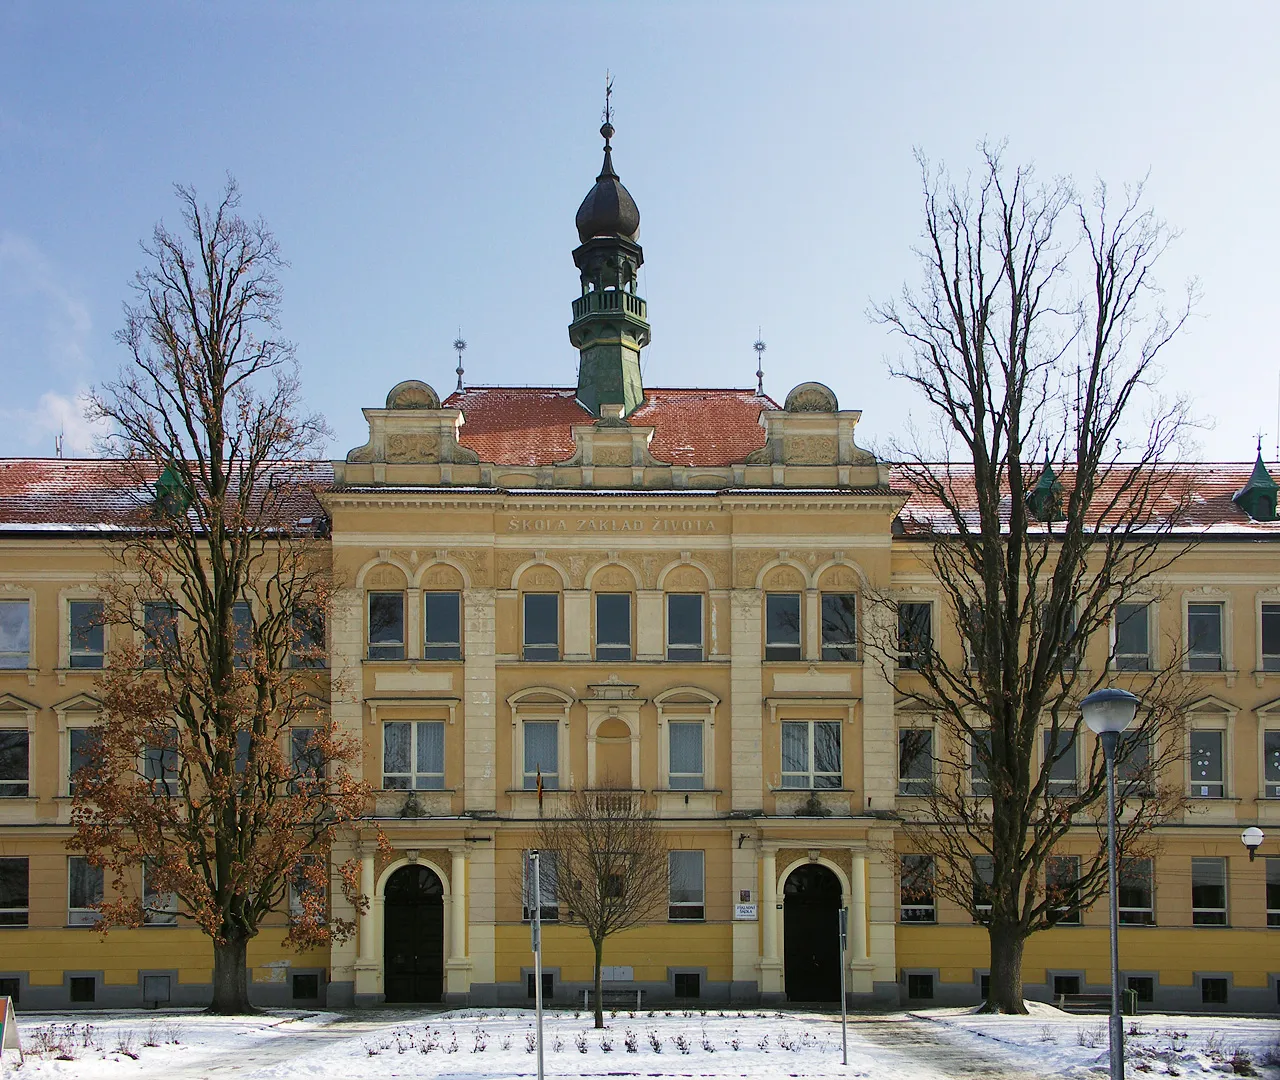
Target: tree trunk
[1004, 994]
[599, 1001]
[230, 977]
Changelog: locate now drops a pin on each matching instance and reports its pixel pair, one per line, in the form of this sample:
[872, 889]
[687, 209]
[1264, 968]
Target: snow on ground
[494, 1044]
[1057, 1043]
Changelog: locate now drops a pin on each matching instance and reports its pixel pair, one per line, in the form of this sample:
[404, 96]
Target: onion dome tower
[610, 322]
[1258, 496]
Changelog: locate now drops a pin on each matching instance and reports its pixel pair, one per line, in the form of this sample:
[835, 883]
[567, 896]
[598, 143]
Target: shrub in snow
[631, 1041]
[580, 1041]
[506, 1042]
[707, 1044]
[736, 1042]
[681, 1041]
[127, 1043]
[1090, 1037]
[655, 1041]
[482, 1042]
[606, 1043]
[530, 1042]
[764, 1043]
[1271, 1055]
[558, 1045]
[452, 1048]
[1242, 1062]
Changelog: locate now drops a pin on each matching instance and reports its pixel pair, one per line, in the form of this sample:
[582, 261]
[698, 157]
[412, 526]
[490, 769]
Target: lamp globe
[1109, 710]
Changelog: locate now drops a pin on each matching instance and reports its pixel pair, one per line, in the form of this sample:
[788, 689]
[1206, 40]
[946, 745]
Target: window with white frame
[915, 633]
[979, 757]
[541, 626]
[159, 632]
[1208, 892]
[915, 761]
[613, 626]
[686, 882]
[413, 755]
[306, 890]
[1269, 635]
[242, 633]
[88, 634]
[1136, 893]
[1133, 764]
[685, 762]
[80, 748]
[307, 647]
[983, 876]
[1208, 774]
[1060, 753]
[15, 763]
[917, 903]
[442, 626]
[684, 626]
[548, 887]
[15, 891]
[1204, 637]
[782, 626]
[839, 626]
[1062, 889]
[15, 633]
[158, 908]
[386, 626]
[1271, 763]
[1132, 651]
[811, 754]
[306, 756]
[1273, 890]
[160, 763]
[541, 754]
[84, 890]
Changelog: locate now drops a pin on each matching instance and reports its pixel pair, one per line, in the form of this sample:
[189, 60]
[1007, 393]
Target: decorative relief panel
[539, 577]
[685, 577]
[507, 563]
[784, 577]
[718, 563]
[413, 448]
[477, 563]
[613, 578]
[385, 577]
[810, 450]
[747, 566]
[611, 455]
[839, 577]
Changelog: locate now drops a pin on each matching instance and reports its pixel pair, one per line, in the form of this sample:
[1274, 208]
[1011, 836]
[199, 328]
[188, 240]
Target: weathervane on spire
[608, 94]
[759, 347]
[459, 346]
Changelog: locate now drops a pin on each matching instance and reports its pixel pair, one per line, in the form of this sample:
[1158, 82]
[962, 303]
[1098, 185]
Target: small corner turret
[1258, 496]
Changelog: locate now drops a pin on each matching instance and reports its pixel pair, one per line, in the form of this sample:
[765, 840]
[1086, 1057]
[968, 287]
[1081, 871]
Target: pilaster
[480, 701]
[746, 712]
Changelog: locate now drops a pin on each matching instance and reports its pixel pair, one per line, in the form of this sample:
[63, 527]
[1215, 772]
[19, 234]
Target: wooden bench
[613, 999]
[1084, 1002]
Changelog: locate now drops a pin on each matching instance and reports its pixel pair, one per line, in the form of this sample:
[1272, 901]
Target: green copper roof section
[1258, 496]
[1045, 498]
[172, 496]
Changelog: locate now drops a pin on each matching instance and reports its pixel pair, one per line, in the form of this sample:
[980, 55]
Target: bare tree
[1033, 338]
[610, 872]
[215, 767]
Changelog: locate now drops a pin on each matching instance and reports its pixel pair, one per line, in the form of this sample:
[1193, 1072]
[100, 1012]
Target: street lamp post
[1108, 712]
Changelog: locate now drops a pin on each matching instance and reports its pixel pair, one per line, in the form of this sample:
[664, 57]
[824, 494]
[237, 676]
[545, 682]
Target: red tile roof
[531, 425]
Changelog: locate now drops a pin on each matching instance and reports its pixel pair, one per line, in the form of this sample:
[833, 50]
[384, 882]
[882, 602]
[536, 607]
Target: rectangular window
[15, 763]
[306, 987]
[1271, 764]
[386, 626]
[88, 633]
[811, 754]
[82, 989]
[983, 870]
[15, 633]
[1137, 900]
[1206, 765]
[1065, 984]
[920, 986]
[548, 887]
[1133, 764]
[548, 986]
[839, 626]
[80, 751]
[413, 755]
[307, 758]
[307, 649]
[613, 626]
[159, 633]
[1060, 757]
[686, 985]
[915, 761]
[541, 754]
[1273, 890]
[685, 770]
[304, 891]
[1213, 991]
[916, 895]
[15, 895]
[684, 626]
[979, 756]
[242, 630]
[1204, 637]
[160, 764]
[158, 908]
[1208, 892]
[84, 890]
[915, 634]
[1143, 987]
[686, 885]
[442, 626]
[1271, 637]
[1133, 637]
[1062, 889]
[542, 626]
[782, 626]
[11, 988]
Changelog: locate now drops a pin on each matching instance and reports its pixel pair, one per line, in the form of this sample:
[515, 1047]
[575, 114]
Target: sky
[421, 163]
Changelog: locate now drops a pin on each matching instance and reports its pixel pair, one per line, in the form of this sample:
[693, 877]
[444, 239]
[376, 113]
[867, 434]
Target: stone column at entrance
[770, 964]
[368, 963]
[457, 966]
[860, 966]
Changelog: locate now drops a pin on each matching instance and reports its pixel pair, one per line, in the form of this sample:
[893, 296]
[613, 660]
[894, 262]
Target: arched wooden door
[811, 938]
[413, 936]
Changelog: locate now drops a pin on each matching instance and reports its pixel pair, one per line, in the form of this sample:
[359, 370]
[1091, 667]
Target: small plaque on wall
[744, 912]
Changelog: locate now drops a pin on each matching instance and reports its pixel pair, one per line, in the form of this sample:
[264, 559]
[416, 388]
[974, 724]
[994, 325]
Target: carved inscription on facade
[617, 524]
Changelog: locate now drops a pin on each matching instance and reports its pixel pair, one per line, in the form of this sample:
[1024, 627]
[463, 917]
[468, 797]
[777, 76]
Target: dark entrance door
[413, 960]
[811, 935]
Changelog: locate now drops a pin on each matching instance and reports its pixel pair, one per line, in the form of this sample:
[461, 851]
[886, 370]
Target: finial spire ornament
[759, 347]
[459, 346]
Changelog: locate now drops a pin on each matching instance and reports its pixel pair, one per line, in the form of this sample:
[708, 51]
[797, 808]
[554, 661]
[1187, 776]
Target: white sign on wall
[744, 911]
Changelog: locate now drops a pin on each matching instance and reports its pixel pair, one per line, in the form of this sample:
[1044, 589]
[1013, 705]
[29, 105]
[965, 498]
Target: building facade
[665, 591]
